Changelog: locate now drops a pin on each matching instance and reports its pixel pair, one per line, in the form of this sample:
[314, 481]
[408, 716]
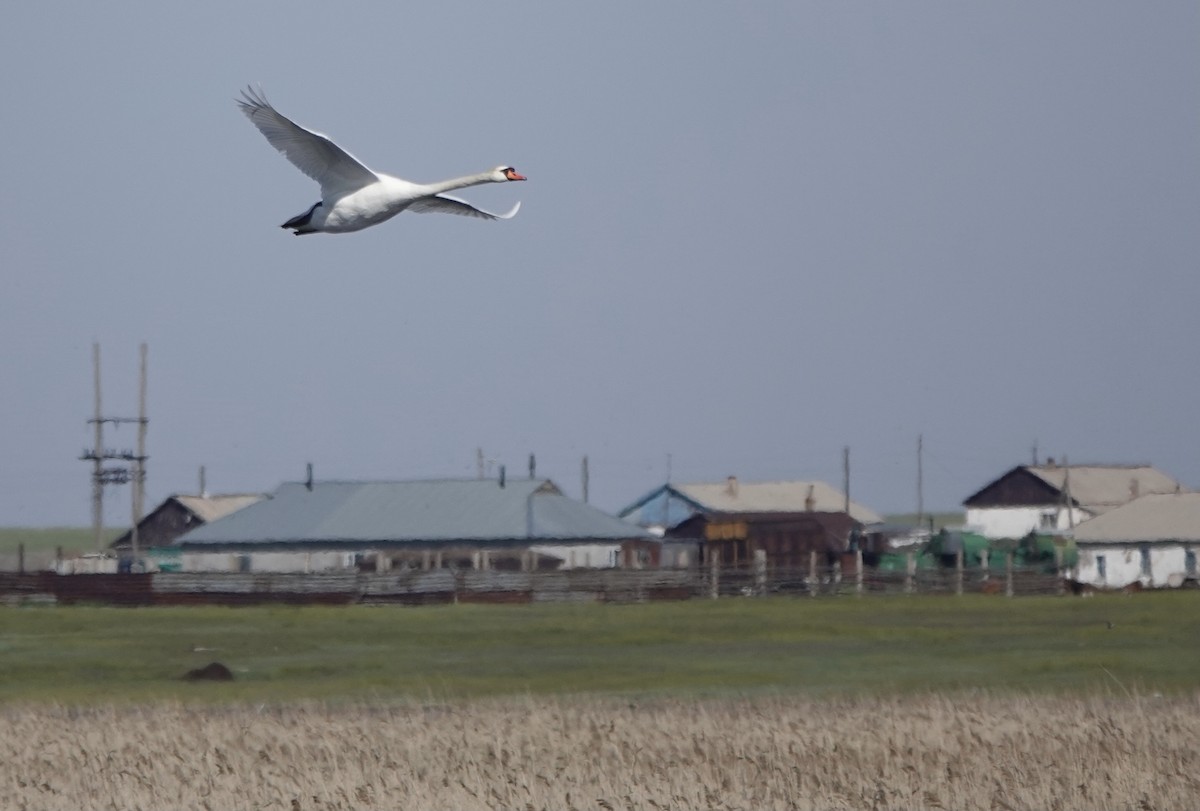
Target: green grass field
[845, 646]
[39, 540]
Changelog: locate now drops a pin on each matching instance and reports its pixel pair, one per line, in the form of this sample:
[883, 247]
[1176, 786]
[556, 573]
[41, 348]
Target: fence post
[760, 572]
[714, 576]
[983, 564]
[1061, 587]
[21, 558]
[812, 573]
[910, 576]
[1008, 573]
[858, 571]
[958, 572]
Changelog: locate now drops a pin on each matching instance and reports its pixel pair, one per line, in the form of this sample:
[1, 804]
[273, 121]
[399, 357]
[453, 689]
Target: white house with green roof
[484, 523]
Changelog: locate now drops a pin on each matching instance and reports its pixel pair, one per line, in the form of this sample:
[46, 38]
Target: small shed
[787, 538]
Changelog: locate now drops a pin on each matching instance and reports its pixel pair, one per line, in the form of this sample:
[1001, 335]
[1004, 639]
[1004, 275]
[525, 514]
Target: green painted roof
[431, 511]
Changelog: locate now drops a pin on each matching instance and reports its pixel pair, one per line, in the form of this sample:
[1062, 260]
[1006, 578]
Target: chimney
[532, 467]
[501, 476]
[203, 487]
[308, 483]
[731, 486]
[810, 501]
[1050, 462]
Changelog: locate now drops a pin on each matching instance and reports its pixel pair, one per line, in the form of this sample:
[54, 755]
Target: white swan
[352, 196]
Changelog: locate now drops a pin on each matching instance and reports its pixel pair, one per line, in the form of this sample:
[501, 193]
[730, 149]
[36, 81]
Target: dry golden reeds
[960, 752]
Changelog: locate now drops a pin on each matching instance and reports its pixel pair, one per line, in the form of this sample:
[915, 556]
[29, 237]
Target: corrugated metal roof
[1169, 517]
[431, 510]
[210, 508]
[779, 496]
[1100, 488]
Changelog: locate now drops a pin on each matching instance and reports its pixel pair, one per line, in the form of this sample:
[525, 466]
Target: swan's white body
[352, 196]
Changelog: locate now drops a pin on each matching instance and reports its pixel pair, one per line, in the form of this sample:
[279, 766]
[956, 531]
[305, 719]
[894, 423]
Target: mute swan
[352, 196]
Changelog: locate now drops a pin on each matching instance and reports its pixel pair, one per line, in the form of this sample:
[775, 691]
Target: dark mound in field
[214, 671]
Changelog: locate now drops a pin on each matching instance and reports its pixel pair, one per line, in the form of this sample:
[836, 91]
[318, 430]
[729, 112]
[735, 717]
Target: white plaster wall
[583, 556]
[1017, 522]
[1123, 565]
[87, 565]
[268, 561]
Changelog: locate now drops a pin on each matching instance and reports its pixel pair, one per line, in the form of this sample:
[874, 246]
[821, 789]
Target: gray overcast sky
[752, 233]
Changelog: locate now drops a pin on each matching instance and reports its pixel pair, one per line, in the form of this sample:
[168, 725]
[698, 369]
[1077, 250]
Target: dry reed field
[966, 752]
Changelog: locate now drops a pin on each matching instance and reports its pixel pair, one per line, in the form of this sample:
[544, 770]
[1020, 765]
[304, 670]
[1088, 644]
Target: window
[1049, 520]
[1189, 561]
[1101, 569]
[1144, 549]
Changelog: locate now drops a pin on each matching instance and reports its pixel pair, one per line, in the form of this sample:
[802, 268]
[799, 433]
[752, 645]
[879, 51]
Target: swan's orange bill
[511, 174]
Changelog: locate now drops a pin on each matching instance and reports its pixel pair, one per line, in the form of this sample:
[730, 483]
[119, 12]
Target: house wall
[267, 561]
[681, 554]
[1123, 564]
[1017, 522]
[582, 556]
[89, 564]
[788, 539]
[574, 556]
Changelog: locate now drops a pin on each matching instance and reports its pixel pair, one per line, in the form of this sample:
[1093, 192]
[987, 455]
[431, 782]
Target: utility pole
[846, 476]
[1067, 492]
[139, 463]
[920, 480]
[103, 476]
[584, 474]
[97, 457]
[479, 463]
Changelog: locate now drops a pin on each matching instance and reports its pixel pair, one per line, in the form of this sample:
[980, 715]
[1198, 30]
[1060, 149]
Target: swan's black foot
[301, 220]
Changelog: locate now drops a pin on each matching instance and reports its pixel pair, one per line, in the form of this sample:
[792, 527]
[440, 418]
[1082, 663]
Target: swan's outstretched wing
[334, 168]
[446, 204]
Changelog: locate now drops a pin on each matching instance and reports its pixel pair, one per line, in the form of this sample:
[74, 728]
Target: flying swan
[352, 196]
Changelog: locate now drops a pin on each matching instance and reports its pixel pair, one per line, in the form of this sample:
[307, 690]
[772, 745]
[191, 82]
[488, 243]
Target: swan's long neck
[458, 182]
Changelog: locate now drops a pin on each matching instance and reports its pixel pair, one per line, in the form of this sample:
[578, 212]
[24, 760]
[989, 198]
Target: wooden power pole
[920, 481]
[134, 474]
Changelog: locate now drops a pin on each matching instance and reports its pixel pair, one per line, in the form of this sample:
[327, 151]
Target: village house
[1053, 498]
[729, 521]
[1151, 541]
[180, 513]
[481, 523]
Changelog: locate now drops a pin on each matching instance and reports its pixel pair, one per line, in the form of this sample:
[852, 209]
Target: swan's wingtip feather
[512, 212]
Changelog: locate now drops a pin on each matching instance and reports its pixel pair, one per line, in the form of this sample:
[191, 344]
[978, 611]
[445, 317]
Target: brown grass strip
[960, 752]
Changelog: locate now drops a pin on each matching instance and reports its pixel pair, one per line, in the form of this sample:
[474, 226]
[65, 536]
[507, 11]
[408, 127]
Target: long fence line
[418, 587]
